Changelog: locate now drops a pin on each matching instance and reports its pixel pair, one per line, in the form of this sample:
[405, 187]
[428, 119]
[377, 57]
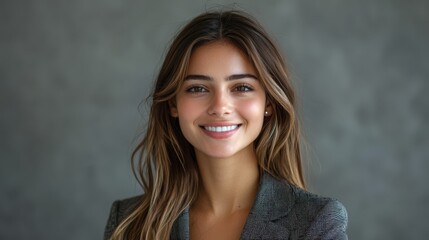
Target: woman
[221, 155]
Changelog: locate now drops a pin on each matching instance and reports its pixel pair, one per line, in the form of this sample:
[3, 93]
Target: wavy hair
[164, 162]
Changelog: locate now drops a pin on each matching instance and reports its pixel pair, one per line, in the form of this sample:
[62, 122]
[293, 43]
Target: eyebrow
[229, 78]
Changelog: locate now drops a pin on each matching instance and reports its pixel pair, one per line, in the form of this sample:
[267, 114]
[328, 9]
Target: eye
[196, 89]
[243, 88]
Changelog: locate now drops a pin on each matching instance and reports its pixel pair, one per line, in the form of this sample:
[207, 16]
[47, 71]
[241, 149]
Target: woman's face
[221, 103]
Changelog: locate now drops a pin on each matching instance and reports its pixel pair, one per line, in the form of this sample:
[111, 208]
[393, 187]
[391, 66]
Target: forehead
[219, 57]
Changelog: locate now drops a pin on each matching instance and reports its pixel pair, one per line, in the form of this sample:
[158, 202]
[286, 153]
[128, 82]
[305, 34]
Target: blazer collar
[274, 200]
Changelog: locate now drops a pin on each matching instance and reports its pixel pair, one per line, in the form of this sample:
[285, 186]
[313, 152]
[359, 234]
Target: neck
[228, 184]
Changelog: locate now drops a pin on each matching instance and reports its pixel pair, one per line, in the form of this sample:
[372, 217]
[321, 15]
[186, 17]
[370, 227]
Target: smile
[220, 128]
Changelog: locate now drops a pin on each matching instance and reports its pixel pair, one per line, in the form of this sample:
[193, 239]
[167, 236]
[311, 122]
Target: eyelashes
[196, 89]
[242, 87]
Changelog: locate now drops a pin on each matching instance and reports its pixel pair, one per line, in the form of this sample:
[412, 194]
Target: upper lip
[223, 124]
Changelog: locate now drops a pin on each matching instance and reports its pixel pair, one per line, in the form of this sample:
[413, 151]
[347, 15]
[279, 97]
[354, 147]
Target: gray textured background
[74, 72]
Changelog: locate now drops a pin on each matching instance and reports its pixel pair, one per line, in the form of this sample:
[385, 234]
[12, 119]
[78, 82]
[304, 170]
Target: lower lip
[220, 135]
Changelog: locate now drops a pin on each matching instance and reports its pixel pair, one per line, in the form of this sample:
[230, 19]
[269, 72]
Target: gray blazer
[280, 211]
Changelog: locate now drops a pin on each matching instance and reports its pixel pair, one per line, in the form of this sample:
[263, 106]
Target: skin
[222, 89]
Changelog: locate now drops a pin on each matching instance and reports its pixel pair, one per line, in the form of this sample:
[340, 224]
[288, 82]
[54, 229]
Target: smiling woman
[221, 98]
[221, 155]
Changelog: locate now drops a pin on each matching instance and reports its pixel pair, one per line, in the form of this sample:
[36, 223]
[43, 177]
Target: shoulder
[312, 204]
[283, 198]
[305, 215]
[284, 211]
[320, 217]
[119, 210]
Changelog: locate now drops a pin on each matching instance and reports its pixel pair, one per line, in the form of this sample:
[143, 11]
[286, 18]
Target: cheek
[188, 108]
[253, 109]
[183, 105]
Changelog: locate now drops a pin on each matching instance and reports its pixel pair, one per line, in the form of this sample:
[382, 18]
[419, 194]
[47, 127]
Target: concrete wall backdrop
[72, 75]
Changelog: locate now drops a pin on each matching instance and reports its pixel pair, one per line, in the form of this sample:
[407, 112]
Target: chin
[223, 155]
[217, 153]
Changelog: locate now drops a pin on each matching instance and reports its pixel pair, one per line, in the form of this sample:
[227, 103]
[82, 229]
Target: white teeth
[220, 128]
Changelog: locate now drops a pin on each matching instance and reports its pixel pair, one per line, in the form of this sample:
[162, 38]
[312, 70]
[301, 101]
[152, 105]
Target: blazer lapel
[273, 201]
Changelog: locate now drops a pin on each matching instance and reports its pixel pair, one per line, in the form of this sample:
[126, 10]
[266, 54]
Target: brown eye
[196, 89]
[243, 88]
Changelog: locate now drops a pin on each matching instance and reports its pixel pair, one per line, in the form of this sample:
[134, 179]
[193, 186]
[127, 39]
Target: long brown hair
[166, 166]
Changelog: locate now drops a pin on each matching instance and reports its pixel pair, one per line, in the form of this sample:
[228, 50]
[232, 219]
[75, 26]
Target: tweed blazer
[280, 211]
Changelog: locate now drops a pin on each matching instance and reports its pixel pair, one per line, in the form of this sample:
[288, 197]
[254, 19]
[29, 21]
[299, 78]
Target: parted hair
[164, 161]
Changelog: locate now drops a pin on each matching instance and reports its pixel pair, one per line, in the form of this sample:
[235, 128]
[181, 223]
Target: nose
[220, 104]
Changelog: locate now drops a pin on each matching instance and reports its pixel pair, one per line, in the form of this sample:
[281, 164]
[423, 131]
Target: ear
[173, 109]
[268, 109]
